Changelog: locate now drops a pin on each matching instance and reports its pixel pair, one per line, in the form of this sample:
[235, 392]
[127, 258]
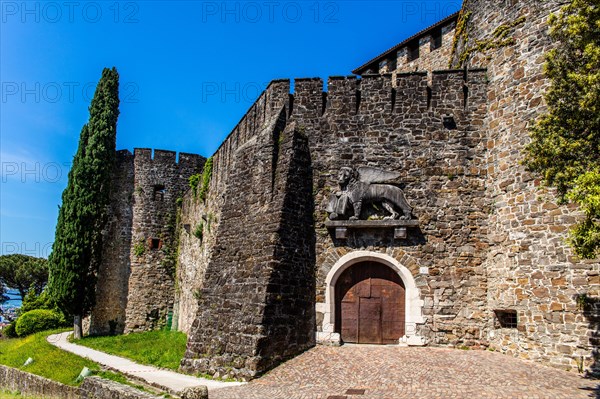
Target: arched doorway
[370, 303]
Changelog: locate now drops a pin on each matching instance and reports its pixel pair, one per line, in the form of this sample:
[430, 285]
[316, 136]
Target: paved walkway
[375, 372]
[402, 373]
[168, 380]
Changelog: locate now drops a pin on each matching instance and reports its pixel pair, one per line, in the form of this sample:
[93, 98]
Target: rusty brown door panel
[349, 327]
[370, 304]
[369, 321]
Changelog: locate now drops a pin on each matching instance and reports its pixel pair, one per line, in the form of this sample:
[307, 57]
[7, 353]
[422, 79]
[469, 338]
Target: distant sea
[14, 301]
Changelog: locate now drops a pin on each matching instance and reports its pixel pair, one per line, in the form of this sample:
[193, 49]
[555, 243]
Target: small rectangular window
[436, 39]
[507, 318]
[158, 193]
[413, 50]
[392, 64]
[154, 243]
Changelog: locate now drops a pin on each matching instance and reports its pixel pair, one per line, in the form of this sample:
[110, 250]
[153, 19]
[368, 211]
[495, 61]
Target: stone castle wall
[255, 264]
[31, 385]
[135, 288]
[257, 299]
[530, 267]
[195, 254]
[432, 55]
[398, 125]
[254, 289]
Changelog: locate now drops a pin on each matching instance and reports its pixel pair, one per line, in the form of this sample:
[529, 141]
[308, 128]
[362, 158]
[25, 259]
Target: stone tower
[135, 289]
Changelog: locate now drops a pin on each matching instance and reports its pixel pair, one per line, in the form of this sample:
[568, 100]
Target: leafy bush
[206, 175]
[42, 301]
[9, 331]
[194, 180]
[38, 320]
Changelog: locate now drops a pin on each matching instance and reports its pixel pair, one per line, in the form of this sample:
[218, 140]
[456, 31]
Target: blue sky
[189, 70]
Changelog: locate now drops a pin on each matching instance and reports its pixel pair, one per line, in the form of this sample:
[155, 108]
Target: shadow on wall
[591, 311]
[289, 315]
[362, 238]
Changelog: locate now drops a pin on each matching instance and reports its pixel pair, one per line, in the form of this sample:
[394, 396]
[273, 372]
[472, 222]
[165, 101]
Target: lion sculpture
[365, 185]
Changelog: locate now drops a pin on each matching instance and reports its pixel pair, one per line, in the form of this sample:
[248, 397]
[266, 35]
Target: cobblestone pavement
[399, 372]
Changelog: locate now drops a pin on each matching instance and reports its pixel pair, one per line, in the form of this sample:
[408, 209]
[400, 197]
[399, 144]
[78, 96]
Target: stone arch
[414, 303]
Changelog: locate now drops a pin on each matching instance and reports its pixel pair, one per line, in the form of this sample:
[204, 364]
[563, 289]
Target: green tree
[76, 251]
[565, 145]
[23, 272]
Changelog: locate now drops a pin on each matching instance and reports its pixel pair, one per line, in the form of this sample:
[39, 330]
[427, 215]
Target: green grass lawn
[158, 348]
[48, 360]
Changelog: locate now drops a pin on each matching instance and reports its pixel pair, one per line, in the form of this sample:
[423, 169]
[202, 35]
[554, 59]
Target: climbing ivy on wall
[206, 175]
[199, 182]
[171, 247]
[461, 33]
[565, 146]
[500, 37]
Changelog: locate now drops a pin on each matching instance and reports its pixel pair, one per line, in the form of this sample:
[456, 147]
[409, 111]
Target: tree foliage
[23, 272]
[565, 145]
[41, 301]
[76, 250]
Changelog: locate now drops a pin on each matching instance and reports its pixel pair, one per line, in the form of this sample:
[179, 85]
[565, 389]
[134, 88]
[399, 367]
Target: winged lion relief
[368, 186]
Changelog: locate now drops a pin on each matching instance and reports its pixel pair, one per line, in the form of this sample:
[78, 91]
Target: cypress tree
[76, 251]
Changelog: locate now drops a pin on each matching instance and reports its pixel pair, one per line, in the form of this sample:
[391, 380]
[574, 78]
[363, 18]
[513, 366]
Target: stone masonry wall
[193, 258]
[358, 122]
[159, 182]
[195, 254]
[30, 384]
[108, 315]
[135, 288]
[398, 126]
[257, 304]
[27, 384]
[429, 60]
[99, 388]
[530, 267]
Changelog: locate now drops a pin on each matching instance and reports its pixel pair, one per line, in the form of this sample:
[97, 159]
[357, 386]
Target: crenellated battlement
[271, 100]
[405, 95]
[348, 95]
[351, 95]
[161, 156]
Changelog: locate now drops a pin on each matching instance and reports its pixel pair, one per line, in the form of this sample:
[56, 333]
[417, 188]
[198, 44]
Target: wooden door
[369, 321]
[370, 302]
